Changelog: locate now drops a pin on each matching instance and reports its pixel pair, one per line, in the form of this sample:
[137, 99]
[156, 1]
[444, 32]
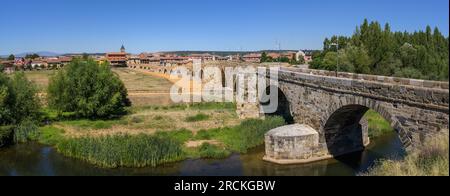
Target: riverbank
[142, 150]
[148, 136]
[33, 159]
[431, 159]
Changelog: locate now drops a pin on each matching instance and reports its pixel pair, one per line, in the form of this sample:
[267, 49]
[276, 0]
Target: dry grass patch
[137, 82]
[40, 78]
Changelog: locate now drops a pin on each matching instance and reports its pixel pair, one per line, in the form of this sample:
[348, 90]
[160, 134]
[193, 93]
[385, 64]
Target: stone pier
[299, 144]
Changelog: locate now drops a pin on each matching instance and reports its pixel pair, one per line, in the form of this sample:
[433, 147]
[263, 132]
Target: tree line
[373, 49]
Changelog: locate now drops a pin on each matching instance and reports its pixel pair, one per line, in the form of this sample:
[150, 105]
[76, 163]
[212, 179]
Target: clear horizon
[201, 25]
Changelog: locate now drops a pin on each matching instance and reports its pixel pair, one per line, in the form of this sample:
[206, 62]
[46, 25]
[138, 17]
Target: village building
[38, 64]
[252, 58]
[118, 59]
[57, 63]
[8, 66]
[307, 57]
[174, 60]
[203, 57]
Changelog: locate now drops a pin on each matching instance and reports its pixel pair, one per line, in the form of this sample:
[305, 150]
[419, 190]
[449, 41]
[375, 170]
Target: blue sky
[164, 25]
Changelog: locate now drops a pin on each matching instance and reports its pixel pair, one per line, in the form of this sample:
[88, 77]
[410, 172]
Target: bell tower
[122, 49]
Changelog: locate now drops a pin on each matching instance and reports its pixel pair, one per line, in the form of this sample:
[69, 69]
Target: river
[33, 159]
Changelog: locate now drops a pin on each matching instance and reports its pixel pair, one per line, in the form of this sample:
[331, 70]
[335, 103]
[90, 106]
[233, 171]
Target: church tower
[122, 49]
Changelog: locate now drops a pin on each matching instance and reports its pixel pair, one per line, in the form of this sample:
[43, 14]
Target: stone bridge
[334, 104]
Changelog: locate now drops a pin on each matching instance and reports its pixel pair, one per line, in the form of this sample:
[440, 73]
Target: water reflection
[36, 160]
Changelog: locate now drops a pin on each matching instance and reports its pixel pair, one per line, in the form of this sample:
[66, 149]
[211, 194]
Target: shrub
[89, 89]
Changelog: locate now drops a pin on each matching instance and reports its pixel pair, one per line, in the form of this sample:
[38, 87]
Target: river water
[33, 159]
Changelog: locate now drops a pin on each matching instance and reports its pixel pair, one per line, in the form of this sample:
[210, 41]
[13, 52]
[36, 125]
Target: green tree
[27, 100]
[264, 57]
[301, 60]
[18, 99]
[32, 56]
[330, 61]
[421, 54]
[6, 100]
[355, 59]
[11, 57]
[88, 89]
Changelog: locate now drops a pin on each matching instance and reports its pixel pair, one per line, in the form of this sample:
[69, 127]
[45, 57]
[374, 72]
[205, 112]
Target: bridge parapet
[407, 91]
[375, 78]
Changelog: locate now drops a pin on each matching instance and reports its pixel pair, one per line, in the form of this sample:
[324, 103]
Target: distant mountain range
[41, 53]
[226, 53]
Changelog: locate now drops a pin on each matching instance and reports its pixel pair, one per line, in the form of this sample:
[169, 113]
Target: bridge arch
[284, 107]
[342, 128]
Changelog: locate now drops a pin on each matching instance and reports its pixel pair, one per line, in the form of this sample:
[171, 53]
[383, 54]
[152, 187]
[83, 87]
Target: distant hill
[41, 53]
[226, 53]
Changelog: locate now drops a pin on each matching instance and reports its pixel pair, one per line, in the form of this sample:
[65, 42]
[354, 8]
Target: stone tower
[122, 49]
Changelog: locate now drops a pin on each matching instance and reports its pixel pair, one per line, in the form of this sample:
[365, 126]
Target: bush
[27, 130]
[88, 89]
[18, 99]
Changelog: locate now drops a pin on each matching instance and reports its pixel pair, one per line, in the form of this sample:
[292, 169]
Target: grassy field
[142, 89]
[136, 81]
[150, 119]
[40, 78]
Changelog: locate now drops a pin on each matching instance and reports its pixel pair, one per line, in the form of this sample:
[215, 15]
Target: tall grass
[27, 130]
[429, 160]
[241, 138]
[161, 147]
[123, 150]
